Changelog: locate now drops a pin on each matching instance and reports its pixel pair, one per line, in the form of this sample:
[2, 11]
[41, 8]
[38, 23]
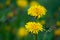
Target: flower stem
[35, 37]
[44, 36]
[22, 38]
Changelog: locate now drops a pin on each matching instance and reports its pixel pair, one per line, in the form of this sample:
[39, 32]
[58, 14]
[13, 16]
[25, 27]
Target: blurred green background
[12, 17]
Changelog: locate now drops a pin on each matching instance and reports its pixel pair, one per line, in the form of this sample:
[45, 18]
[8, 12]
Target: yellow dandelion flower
[22, 32]
[37, 11]
[57, 32]
[34, 27]
[8, 2]
[58, 23]
[33, 3]
[22, 3]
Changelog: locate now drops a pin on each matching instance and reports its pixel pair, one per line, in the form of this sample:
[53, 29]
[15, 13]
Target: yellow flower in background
[22, 3]
[10, 14]
[33, 27]
[42, 22]
[57, 32]
[58, 23]
[8, 2]
[37, 11]
[22, 32]
[33, 3]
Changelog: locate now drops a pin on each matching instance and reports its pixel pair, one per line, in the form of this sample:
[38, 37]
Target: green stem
[35, 37]
[44, 36]
[22, 38]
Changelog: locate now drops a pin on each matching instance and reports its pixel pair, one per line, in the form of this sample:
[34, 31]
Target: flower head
[22, 32]
[22, 3]
[58, 23]
[57, 32]
[8, 2]
[33, 3]
[37, 11]
[34, 27]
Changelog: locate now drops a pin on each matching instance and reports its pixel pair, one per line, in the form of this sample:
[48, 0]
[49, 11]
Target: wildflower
[8, 2]
[22, 3]
[33, 3]
[57, 32]
[22, 32]
[33, 27]
[58, 23]
[37, 11]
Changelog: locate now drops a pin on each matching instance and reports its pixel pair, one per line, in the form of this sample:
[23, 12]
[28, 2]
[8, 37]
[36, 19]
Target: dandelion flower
[37, 11]
[22, 32]
[57, 32]
[22, 3]
[33, 27]
[33, 3]
[8, 2]
[58, 23]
